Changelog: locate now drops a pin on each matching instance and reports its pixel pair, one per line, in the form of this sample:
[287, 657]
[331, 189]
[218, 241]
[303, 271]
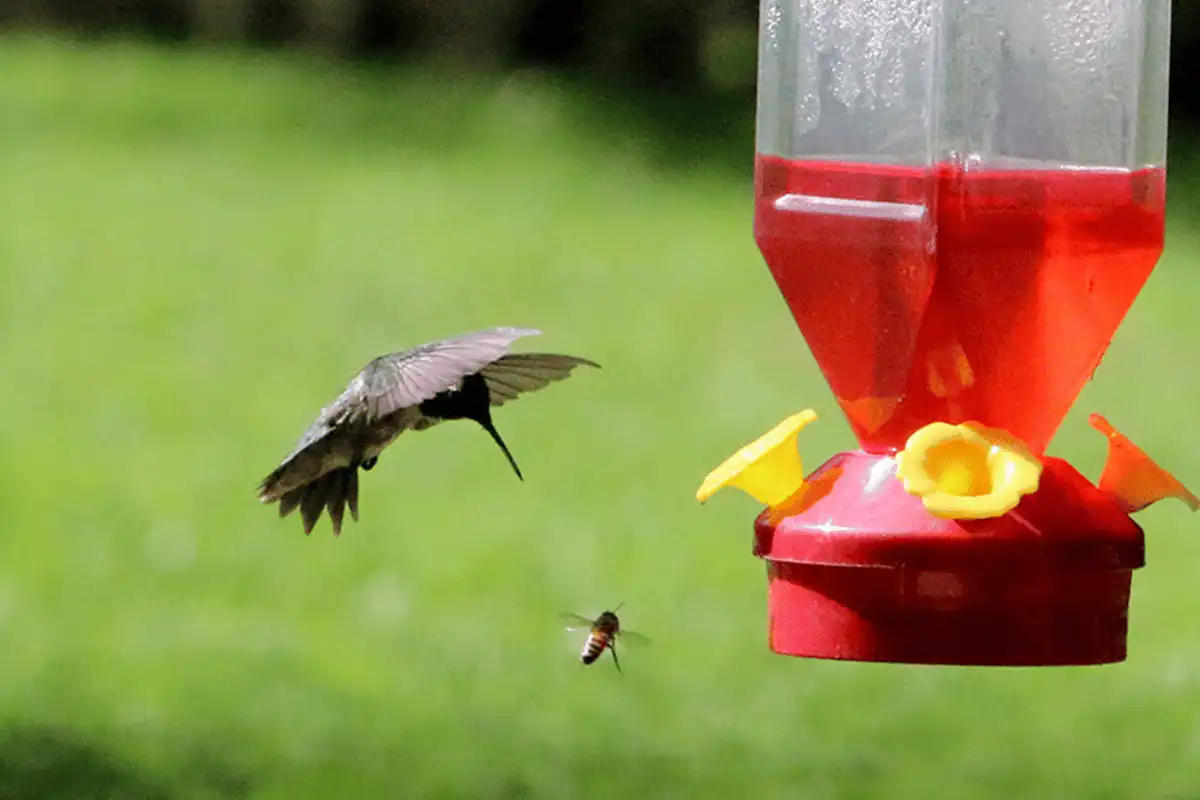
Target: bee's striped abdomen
[594, 646]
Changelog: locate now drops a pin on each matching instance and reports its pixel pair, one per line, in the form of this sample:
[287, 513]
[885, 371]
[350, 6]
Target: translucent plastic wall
[1069, 82]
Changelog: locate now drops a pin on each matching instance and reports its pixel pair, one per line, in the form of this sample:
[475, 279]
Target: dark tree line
[647, 43]
[655, 42]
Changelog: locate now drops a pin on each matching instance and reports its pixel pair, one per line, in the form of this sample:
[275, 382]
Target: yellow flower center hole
[959, 468]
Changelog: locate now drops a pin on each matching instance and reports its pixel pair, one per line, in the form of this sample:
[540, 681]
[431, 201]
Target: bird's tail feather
[289, 501]
[333, 491]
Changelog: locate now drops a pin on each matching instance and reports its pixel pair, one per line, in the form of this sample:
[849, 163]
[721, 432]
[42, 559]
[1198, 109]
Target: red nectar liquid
[959, 293]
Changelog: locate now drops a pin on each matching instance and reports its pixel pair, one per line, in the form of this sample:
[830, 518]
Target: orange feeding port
[959, 217]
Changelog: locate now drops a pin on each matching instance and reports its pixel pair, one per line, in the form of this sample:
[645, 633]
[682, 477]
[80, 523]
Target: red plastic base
[863, 573]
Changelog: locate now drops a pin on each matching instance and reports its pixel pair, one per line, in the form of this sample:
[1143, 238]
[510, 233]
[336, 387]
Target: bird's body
[458, 378]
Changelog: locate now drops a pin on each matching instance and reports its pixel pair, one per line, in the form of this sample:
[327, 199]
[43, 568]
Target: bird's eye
[370, 462]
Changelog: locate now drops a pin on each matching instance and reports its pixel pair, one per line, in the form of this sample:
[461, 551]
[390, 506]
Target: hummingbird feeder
[959, 200]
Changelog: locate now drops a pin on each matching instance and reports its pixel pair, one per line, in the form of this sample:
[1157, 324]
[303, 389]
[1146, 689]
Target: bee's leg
[616, 660]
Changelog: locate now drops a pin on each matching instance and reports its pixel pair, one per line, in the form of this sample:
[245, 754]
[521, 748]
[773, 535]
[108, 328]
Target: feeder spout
[1134, 479]
[967, 471]
[769, 469]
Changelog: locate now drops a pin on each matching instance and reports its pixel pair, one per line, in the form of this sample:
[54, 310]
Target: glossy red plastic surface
[994, 306]
[863, 572]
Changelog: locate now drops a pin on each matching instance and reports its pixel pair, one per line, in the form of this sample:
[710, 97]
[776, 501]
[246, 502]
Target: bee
[602, 635]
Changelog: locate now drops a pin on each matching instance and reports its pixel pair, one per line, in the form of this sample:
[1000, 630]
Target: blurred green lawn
[197, 252]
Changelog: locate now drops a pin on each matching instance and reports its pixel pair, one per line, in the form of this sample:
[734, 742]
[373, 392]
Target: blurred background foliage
[676, 43]
[213, 219]
[681, 44]
[700, 47]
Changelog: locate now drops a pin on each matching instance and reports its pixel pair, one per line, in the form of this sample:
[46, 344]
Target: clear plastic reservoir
[960, 200]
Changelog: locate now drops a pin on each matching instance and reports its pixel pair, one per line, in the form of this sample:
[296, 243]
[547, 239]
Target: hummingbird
[462, 377]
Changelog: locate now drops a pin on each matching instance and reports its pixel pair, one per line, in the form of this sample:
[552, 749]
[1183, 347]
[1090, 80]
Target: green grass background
[197, 250]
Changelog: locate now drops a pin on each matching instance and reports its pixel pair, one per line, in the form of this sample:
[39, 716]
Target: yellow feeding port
[768, 469]
[967, 471]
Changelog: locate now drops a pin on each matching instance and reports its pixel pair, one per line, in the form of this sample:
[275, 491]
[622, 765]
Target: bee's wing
[632, 637]
[577, 623]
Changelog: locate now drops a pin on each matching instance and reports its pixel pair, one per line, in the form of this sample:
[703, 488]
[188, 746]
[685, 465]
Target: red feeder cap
[862, 571]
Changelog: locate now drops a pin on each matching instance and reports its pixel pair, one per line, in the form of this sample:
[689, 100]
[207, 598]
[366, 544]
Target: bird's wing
[400, 380]
[325, 423]
[317, 452]
[517, 373]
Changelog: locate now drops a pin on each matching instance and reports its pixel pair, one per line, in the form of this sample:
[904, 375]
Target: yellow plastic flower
[967, 471]
[768, 469]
